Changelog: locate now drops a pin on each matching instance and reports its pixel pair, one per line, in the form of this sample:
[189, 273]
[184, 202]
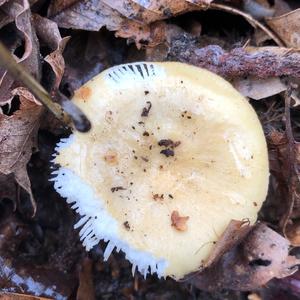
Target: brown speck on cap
[146, 133]
[126, 225]
[109, 116]
[167, 152]
[168, 143]
[158, 197]
[146, 92]
[111, 157]
[117, 188]
[178, 222]
[146, 109]
[144, 158]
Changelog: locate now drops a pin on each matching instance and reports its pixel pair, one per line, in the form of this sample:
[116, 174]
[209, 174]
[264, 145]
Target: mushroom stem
[74, 114]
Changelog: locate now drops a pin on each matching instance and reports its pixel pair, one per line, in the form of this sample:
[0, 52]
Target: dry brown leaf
[287, 27]
[144, 35]
[251, 261]
[93, 15]
[19, 11]
[18, 135]
[257, 89]
[14, 296]
[86, 15]
[130, 18]
[234, 233]
[293, 232]
[48, 33]
[151, 11]
[58, 6]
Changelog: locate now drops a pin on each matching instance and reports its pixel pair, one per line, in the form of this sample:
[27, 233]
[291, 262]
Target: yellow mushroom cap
[174, 154]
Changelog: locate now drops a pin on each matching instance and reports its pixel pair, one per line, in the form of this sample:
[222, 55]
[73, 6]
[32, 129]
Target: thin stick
[249, 18]
[80, 121]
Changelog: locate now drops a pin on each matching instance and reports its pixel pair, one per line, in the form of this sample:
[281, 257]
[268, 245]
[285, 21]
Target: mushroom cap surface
[174, 154]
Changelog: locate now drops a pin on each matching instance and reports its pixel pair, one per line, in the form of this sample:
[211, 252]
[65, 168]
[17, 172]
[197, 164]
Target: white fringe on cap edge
[96, 222]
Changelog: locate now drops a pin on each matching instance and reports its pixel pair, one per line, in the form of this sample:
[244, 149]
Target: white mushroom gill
[174, 153]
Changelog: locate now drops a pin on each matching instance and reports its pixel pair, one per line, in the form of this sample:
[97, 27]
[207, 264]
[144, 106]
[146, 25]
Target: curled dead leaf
[18, 134]
[19, 11]
[151, 11]
[47, 31]
[287, 27]
[132, 19]
[86, 15]
[257, 89]
[256, 255]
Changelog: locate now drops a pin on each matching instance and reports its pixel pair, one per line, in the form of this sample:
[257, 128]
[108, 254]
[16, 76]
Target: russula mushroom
[174, 154]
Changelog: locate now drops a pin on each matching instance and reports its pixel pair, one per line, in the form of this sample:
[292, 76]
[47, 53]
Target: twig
[80, 121]
[261, 62]
[249, 18]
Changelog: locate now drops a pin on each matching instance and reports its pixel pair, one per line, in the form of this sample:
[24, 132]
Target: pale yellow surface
[219, 171]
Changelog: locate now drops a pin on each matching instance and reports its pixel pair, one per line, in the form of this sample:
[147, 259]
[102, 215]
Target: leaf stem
[74, 115]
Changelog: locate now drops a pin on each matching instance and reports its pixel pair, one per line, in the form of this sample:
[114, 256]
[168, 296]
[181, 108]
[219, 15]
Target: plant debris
[117, 188]
[178, 222]
[167, 152]
[168, 143]
[146, 109]
[246, 250]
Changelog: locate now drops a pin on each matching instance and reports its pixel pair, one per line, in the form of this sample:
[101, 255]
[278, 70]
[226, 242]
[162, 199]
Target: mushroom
[174, 154]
